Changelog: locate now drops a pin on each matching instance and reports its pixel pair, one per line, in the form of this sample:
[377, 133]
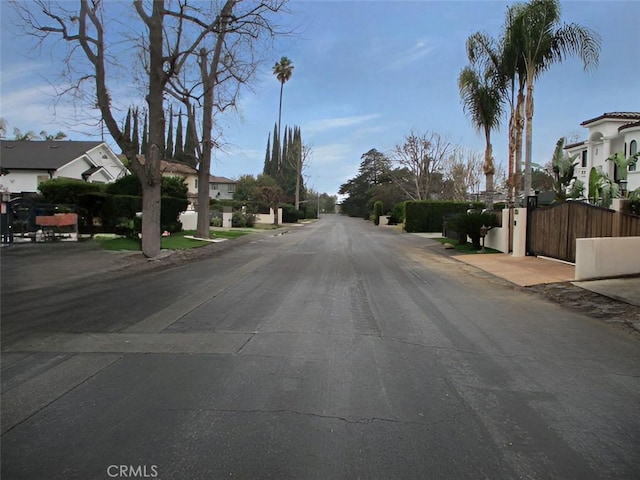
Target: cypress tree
[179, 152]
[190, 143]
[127, 126]
[283, 156]
[275, 153]
[145, 134]
[134, 137]
[168, 152]
[267, 157]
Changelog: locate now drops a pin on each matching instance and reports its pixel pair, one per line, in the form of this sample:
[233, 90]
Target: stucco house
[220, 188]
[608, 134]
[25, 164]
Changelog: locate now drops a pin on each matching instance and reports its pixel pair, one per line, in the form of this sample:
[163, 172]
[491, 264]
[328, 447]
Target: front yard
[175, 241]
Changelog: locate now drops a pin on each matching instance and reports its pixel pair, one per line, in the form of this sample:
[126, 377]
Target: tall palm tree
[543, 41]
[283, 71]
[505, 60]
[482, 98]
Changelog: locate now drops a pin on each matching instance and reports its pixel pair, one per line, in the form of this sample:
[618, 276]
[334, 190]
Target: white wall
[498, 238]
[607, 257]
[24, 181]
[519, 232]
[268, 218]
[189, 220]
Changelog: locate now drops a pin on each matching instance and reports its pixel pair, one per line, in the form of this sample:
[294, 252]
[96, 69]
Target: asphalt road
[338, 350]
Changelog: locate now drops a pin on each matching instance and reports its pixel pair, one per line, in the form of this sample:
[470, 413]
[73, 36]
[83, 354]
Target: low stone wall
[607, 257]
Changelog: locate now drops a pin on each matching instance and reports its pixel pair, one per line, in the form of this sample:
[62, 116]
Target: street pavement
[335, 350]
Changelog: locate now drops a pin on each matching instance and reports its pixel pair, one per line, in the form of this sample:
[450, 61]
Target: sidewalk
[530, 271]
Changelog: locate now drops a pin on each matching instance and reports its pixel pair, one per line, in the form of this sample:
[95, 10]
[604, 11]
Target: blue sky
[367, 74]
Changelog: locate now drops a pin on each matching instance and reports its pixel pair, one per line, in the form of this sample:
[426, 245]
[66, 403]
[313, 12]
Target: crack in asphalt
[350, 420]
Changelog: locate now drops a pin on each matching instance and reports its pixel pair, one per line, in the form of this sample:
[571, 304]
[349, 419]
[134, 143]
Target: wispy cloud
[419, 50]
[325, 124]
[331, 153]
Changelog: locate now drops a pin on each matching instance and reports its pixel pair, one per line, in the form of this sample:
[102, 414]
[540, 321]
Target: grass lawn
[466, 248]
[175, 241]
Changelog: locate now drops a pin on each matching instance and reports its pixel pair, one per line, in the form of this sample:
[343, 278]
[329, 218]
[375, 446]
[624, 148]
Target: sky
[366, 74]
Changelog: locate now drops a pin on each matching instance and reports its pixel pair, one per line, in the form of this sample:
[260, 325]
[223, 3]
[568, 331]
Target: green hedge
[170, 208]
[65, 190]
[427, 216]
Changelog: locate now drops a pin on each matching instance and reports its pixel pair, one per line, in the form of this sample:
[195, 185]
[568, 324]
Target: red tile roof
[629, 125]
[614, 116]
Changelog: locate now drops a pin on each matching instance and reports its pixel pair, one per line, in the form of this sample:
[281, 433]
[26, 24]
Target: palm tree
[283, 71]
[505, 61]
[482, 98]
[543, 41]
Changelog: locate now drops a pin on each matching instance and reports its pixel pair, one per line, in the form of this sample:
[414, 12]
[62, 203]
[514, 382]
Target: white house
[609, 133]
[184, 171]
[25, 164]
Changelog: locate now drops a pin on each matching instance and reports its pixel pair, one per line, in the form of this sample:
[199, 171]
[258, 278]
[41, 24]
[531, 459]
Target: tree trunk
[529, 138]
[279, 122]
[298, 173]
[151, 194]
[517, 177]
[488, 167]
[202, 228]
[209, 74]
[512, 159]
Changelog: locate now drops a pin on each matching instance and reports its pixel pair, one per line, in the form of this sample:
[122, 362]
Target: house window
[214, 186]
[231, 187]
[584, 159]
[196, 183]
[633, 149]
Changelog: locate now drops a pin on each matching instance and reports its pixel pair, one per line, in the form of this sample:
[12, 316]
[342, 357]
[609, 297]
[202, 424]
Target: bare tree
[226, 60]
[423, 155]
[84, 30]
[176, 32]
[463, 172]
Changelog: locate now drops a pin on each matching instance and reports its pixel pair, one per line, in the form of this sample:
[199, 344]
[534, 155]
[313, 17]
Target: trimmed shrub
[427, 216]
[289, 213]
[397, 214]
[170, 209]
[469, 224]
[377, 211]
[127, 185]
[64, 190]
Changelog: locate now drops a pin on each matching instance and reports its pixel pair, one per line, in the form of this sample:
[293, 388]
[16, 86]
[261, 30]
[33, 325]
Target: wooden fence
[552, 231]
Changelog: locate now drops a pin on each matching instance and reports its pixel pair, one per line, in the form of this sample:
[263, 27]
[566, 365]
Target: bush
[170, 209]
[427, 216]
[397, 214]
[216, 222]
[243, 220]
[64, 190]
[127, 185]
[172, 186]
[377, 211]
[469, 224]
[290, 214]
